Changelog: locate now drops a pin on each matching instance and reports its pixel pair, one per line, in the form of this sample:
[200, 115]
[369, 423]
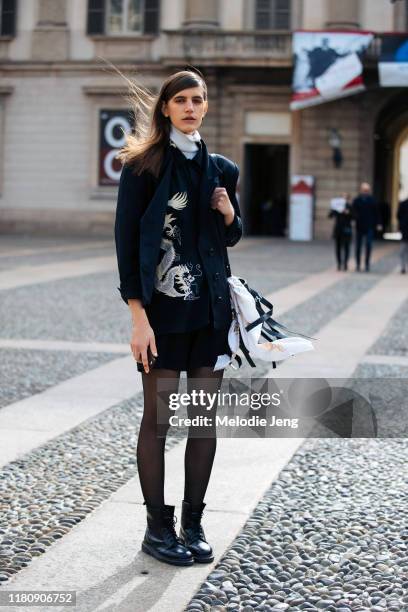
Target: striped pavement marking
[340, 346]
[100, 558]
[15, 440]
[18, 252]
[29, 275]
[30, 422]
[34, 275]
[392, 360]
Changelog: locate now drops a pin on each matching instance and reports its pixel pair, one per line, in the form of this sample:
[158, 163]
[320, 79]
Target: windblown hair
[144, 148]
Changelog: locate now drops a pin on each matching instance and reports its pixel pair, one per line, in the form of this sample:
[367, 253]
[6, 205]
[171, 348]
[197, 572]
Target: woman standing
[342, 232]
[176, 214]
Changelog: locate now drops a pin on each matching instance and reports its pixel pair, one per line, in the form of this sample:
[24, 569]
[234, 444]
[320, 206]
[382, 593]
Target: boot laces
[195, 526]
[170, 534]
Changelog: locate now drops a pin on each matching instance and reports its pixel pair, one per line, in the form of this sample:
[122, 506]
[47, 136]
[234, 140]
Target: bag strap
[245, 352]
[265, 317]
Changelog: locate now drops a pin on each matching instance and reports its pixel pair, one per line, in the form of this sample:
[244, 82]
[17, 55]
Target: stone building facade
[61, 104]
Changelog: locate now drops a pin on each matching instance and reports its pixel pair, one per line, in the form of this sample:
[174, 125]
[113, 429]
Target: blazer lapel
[151, 228]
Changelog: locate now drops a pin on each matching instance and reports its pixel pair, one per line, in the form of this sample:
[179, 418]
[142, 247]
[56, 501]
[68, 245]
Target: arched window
[273, 15]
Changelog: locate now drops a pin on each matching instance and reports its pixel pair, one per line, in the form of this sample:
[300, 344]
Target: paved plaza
[295, 523]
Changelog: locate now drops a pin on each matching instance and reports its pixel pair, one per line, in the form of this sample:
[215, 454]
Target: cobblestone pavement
[330, 533]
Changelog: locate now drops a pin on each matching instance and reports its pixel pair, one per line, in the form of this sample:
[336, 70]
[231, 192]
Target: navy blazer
[141, 207]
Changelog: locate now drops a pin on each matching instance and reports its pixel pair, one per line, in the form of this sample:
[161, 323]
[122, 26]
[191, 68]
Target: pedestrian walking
[365, 212]
[402, 215]
[342, 231]
[176, 215]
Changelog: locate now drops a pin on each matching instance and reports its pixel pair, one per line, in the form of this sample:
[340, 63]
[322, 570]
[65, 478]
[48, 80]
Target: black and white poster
[327, 65]
[112, 124]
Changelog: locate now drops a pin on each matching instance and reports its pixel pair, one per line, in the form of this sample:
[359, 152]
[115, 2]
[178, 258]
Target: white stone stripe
[342, 344]
[55, 249]
[33, 275]
[297, 293]
[20, 276]
[65, 345]
[392, 360]
[26, 424]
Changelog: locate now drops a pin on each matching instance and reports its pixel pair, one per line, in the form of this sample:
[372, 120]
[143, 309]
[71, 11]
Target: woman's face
[186, 109]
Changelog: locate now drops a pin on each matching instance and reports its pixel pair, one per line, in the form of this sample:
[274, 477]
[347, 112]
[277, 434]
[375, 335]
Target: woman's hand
[142, 335]
[221, 202]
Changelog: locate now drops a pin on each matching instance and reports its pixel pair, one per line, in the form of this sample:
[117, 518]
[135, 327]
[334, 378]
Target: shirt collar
[188, 143]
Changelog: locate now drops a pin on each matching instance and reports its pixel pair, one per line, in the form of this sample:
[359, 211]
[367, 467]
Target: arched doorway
[391, 157]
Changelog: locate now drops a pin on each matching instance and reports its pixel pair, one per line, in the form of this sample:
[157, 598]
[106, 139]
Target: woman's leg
[200, 451]
[158, 383]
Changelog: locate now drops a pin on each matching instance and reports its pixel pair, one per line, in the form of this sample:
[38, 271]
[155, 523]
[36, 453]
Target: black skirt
[183, 351]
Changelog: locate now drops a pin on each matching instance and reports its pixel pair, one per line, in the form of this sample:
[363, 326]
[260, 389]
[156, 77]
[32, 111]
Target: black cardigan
[141, 207]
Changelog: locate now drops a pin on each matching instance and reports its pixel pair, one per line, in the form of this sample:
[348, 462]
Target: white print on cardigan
[175, 280]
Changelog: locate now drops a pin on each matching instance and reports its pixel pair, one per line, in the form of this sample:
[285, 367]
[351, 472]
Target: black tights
[200, 451]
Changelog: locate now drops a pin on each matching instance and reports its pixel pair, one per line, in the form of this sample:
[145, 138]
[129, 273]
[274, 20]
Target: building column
[344, 14]
[400, 10]
[201, 14]
[51, 36]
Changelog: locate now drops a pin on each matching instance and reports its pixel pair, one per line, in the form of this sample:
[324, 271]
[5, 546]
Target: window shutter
[96, 17]
[151, 17]
[8, 18]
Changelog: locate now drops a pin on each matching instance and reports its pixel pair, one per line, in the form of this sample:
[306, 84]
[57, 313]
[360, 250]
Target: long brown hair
[144, 148]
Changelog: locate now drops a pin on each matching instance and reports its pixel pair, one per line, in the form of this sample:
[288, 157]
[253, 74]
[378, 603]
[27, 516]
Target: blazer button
[217, 275]
[211, 250]
[219, 298]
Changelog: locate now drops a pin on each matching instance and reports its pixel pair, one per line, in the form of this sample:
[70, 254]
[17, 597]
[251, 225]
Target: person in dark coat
[176, 215]
[342, 232]
[385, 217]
[402, 216]
[365, 212]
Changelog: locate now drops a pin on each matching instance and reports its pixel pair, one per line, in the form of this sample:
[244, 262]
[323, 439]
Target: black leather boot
[192, 533]
[161, 541]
